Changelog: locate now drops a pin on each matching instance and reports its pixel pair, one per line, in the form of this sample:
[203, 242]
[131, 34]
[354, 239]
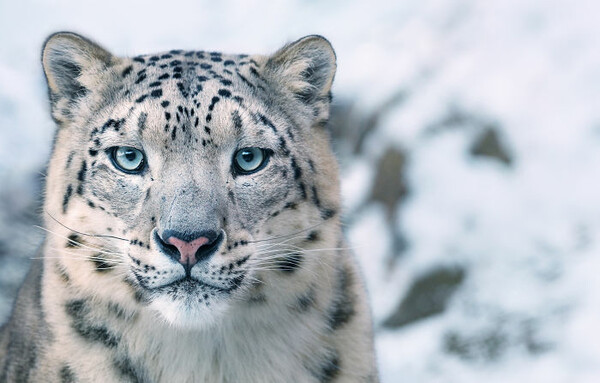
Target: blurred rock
[390, 189]
[351, 126]
[390, 186]
[455, 118]
[488, 144]
[490, 343]
[428, 296]
[486, 346]
[345, 125]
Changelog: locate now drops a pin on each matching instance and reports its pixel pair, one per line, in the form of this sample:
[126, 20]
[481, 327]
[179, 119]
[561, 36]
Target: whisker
[291, 234]
[86, 234]
[79, 244]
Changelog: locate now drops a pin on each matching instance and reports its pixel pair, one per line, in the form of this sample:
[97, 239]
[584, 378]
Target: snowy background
[469, 137]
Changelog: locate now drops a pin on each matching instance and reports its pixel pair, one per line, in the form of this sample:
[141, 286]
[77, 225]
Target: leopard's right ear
[73, 65]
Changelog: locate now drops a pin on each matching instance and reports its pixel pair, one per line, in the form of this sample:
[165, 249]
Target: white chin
[186, 315]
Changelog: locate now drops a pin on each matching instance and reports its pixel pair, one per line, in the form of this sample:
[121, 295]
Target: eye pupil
[247, 156]
[130, 155]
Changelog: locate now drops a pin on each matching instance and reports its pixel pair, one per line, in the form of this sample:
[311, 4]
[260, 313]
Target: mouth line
[235, 284]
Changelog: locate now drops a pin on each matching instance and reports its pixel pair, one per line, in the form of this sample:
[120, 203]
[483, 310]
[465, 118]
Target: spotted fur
[279, 300]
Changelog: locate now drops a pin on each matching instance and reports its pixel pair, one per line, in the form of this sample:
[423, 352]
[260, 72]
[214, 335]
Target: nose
[188, 248]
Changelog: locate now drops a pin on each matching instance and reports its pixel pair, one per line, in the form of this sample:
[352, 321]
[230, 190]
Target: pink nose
[188, 250]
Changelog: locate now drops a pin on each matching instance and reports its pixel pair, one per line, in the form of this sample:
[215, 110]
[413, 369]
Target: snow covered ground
[473, 198]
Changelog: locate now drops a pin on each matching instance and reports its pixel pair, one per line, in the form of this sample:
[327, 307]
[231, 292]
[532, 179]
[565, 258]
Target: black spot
[296, 168]
[127, 71]
[313, 236]
[228, 62]
[142, 121]
[79, 312]
[224, 93]
[245, 80]
[328, 213]
[140, 78]
[182, 89]
[163, 76]
[101, 265]
[205, 66]
[290, 263]
[342, 308]
[291, 135]
[62, 273]
[290, 205]
[165, 103]
[208, 117]
[283, 146]
[237, 121]
[254, 72]
[139, 59]
[154, 58]
[167, 116]
[174, 133]
[125, 367]
[154, 84]
[156, 93]
[263, 119]
[226, 82]
[213, 102]
[175, 63]
[73, 240]
[306, 300]
[69, 159]
[330, 369]
[82, 171]
[142, 98]
[207, 129]
[302, 188]
[66, 197]
[66, 375]
[92, 152]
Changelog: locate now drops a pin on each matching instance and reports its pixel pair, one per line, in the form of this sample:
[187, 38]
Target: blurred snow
[526, 232]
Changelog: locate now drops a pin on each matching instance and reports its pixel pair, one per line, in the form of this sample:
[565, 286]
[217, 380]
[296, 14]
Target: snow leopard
[192, 211]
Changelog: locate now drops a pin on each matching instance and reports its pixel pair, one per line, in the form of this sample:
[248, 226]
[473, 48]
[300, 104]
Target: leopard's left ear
[73, 65]
[305, 67]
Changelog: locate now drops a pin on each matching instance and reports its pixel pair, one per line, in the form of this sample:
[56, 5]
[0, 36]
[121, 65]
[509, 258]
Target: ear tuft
[305, 67]
[66, 57]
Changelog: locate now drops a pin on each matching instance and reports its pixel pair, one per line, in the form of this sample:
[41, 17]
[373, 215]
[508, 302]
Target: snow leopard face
[184, 180]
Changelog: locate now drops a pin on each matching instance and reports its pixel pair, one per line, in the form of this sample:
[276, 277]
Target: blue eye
[249, 160]
[128, 159]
